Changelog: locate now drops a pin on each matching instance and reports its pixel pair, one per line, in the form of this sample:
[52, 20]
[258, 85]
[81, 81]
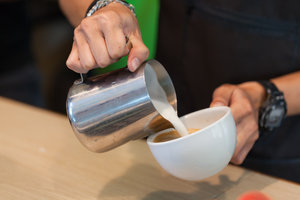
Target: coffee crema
[171, 135]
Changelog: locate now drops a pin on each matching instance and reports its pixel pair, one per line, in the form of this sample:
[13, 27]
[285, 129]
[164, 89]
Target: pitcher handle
[83, 77]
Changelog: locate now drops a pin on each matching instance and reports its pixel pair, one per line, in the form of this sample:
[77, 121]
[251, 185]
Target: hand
[101, 39]
[244, 101]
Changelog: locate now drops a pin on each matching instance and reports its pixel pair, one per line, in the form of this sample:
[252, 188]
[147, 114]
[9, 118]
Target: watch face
[273, 111]
[275, 117]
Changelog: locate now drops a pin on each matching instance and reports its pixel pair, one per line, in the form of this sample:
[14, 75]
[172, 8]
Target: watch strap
[269, 86]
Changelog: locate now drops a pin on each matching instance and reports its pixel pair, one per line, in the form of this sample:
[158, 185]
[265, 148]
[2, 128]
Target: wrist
[98, 4]
[256, 93]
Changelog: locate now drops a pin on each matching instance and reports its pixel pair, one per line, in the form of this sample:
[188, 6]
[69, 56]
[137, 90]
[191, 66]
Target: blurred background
[51, 42]
[35, 41]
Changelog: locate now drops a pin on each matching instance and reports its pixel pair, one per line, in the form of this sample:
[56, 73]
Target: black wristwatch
[273, 110]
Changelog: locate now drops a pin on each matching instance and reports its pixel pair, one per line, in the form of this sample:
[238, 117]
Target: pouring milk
[161, 103]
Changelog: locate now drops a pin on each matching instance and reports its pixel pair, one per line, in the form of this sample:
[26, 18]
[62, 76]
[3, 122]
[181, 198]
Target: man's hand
[244, 101]
[103, 38]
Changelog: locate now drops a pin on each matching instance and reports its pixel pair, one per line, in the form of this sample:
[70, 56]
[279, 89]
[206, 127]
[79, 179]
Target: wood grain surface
[40, 158]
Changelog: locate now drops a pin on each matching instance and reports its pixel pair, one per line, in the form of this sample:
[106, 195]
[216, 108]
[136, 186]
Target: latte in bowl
[202, 153]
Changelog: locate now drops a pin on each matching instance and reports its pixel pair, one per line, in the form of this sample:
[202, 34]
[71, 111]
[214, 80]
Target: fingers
[245, 116]
[247, 134]
[241, 105]
[116, 44]
[98, 47]
[222, 95]
[73, 61]
[138, 53]
[240, 156]
[93, 49]
[102, 39]
[86, 57]
[246, 122]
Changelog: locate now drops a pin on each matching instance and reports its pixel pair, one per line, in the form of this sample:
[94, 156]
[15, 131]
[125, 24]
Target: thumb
[138, 53]
[222, 95]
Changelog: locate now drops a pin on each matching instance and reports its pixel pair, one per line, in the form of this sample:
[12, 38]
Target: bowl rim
[151, 137]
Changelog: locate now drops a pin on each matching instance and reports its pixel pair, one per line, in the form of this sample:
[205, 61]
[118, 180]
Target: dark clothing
[19, 79]
[204, 44]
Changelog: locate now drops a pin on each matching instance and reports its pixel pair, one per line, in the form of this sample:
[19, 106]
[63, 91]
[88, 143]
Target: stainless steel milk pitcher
[111, 109]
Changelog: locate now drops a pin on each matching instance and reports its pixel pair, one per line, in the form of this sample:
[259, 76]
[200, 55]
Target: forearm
[290, 85]
[75, 9]
[245, 101]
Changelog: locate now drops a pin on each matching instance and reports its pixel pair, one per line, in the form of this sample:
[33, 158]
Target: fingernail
[218, 103]
[135, 64]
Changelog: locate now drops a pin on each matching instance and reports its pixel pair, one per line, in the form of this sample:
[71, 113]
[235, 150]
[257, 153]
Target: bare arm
[245, 100]
[290, 85]
[75, 9]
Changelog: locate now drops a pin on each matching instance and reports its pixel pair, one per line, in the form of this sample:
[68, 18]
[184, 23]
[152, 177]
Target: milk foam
[161, 103]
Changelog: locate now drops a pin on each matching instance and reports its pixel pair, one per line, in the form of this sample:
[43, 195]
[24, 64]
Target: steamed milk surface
[162, 105]
[171, 135]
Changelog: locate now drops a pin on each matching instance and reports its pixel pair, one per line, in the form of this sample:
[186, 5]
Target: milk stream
[162, 105]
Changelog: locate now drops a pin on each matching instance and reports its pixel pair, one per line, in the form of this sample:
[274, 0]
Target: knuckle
[247, 108]
[116, 53]
[76, 31]
[227, 85]
[142, 48]
[103, 63]
[239, 161]
[85, 24]
[71, 64]
[145, 52]
[222, 87]
[87, 65]
[107, 19]
[238, 156]
[86, 27]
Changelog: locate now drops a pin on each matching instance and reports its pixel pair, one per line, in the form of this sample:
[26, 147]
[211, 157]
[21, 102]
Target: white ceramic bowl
[203, 153]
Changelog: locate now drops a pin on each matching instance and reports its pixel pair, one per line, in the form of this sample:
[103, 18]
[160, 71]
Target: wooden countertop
[40, 158]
